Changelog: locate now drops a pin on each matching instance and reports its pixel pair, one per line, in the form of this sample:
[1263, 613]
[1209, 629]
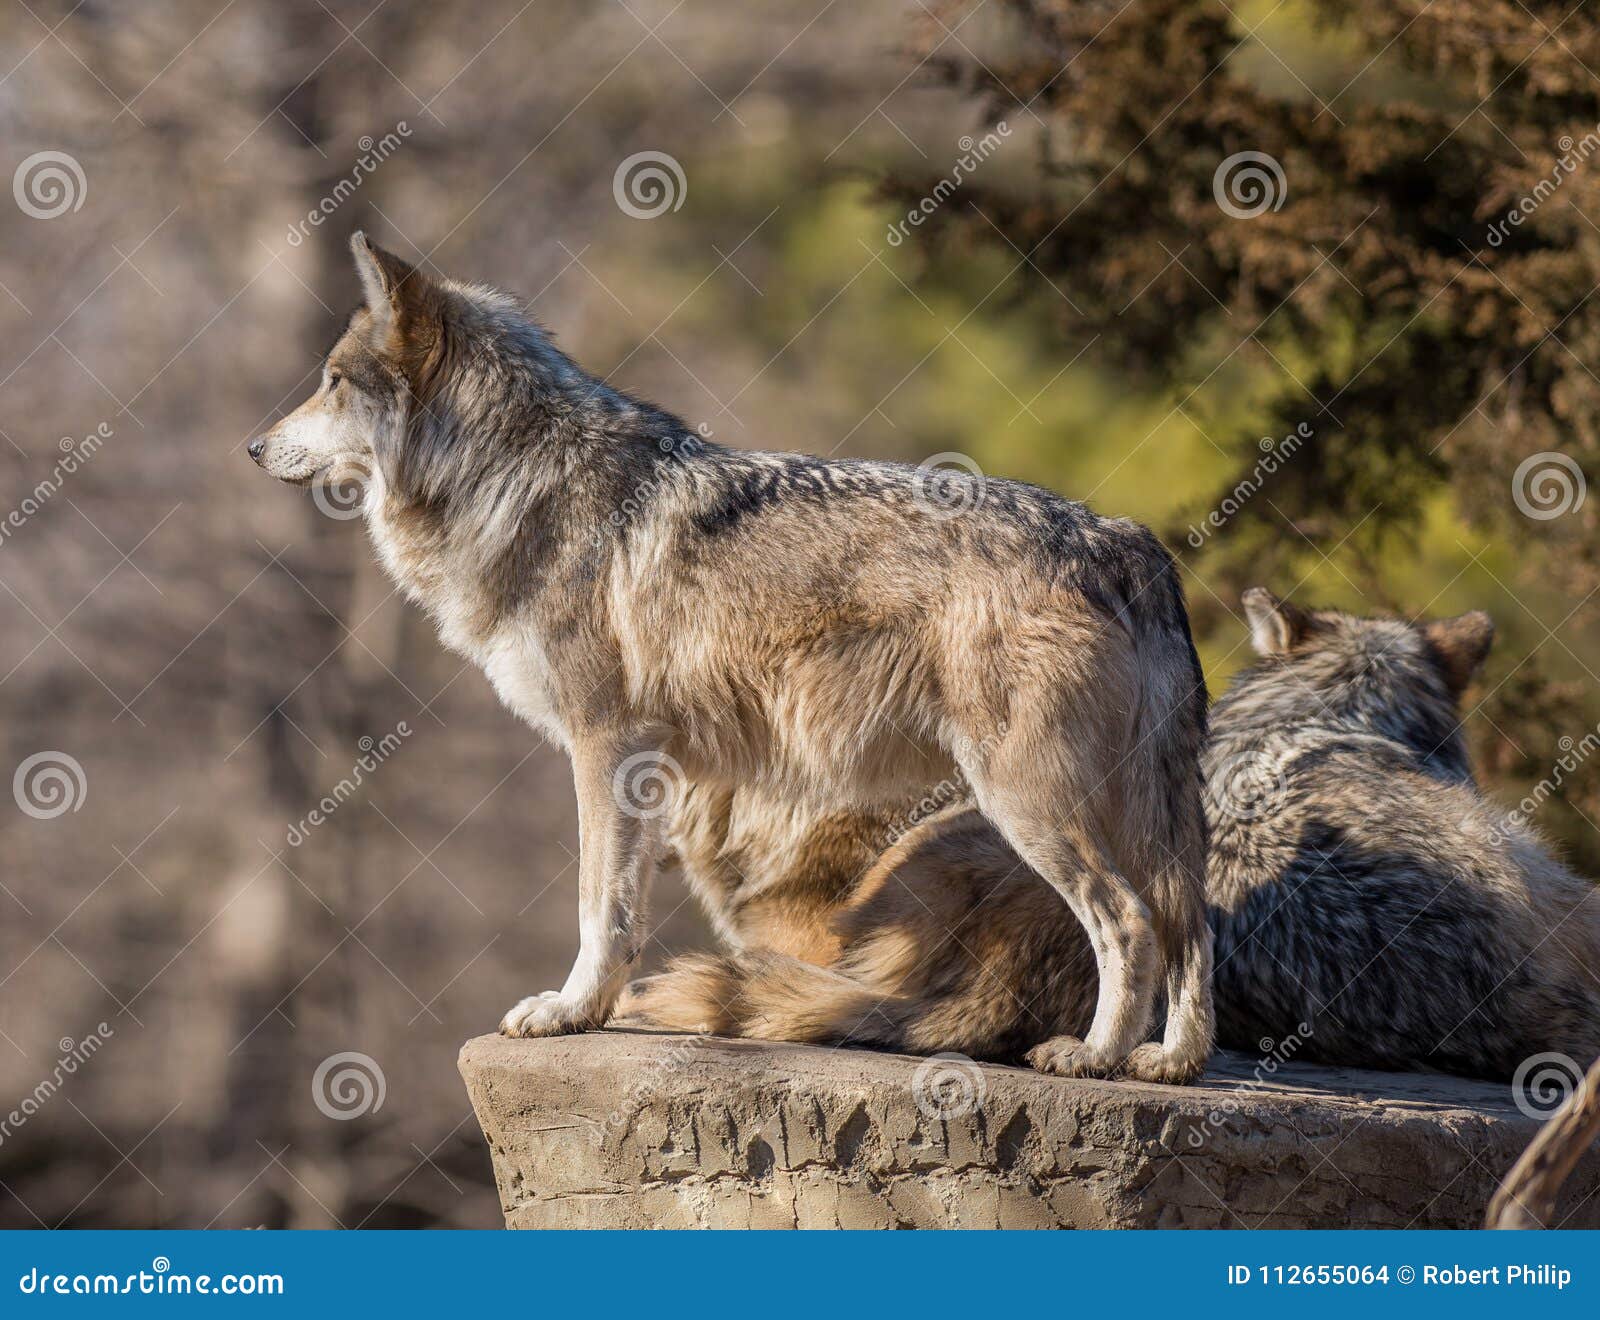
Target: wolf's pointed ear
[385, 278]
[1275, 625]
[1460, 646]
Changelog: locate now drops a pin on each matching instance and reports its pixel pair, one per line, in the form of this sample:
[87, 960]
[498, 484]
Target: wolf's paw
[1152, 1063]
[1067, 1056]
[544, 1015]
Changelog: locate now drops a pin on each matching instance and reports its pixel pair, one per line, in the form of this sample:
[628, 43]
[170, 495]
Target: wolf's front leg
[620, 840]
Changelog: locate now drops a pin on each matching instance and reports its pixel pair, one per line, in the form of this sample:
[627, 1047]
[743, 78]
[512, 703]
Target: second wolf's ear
[1460, 646]
[1275, 625]
[385, 278]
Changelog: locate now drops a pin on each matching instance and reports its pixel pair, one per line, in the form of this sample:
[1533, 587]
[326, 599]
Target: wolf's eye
[333, 382]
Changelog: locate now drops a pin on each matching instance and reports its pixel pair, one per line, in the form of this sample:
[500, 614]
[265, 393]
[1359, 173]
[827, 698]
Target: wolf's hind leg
[1049, 800]
[1161, 838]
[1186, 1042]
[1119, 930]
[621, 835]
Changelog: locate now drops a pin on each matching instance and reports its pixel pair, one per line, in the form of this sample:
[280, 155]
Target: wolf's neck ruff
[508, 462]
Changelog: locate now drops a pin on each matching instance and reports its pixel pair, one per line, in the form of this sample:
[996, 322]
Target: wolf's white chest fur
[512, 654]
[517, 666]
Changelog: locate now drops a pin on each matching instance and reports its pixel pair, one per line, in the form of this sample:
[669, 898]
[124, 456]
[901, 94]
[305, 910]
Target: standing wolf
[815, 628]
[1371, 907]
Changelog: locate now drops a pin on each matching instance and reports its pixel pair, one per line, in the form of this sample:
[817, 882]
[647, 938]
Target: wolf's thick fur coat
[1371, 907]
[807, 629]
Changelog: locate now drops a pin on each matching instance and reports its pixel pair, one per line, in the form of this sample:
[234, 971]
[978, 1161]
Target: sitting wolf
[1369, 905]
[824, 628]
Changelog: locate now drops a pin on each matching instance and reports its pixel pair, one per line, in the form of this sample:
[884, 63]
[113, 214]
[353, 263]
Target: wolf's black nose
[256, 446]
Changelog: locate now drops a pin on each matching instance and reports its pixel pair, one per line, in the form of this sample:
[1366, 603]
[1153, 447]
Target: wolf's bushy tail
[771, 996]
[948, 943]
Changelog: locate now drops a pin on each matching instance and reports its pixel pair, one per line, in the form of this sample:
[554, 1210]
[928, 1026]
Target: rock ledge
[626, 1129]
